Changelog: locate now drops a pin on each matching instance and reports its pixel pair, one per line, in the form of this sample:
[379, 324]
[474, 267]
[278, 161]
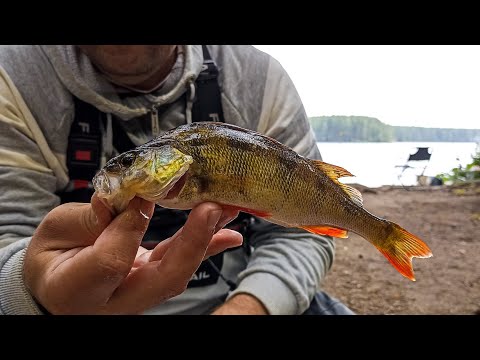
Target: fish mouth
[177, 187]
[106, 184]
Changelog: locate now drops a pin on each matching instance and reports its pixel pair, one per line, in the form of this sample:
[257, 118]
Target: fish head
[149, 173]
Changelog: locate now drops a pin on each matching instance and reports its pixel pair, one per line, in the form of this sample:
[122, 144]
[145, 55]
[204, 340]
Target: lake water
[374, 164]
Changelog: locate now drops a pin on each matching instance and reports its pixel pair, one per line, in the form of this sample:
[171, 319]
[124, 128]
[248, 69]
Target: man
[78, 258]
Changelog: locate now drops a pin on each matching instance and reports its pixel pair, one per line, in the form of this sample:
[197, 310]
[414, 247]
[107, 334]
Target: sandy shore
[448, 220]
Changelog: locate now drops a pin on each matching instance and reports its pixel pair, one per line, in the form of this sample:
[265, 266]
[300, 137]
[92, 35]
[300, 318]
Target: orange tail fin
[400, 247]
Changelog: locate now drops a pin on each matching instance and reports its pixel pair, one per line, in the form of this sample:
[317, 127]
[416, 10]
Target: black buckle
[208, 73]
[83, 158]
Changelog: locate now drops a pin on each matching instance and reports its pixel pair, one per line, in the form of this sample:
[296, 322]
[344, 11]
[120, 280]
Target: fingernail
[213, 218]
[145, 207]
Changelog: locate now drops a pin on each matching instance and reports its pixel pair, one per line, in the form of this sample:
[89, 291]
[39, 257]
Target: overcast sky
[411, 85]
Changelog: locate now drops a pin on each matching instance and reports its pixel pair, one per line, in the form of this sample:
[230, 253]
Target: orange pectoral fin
[326, 230]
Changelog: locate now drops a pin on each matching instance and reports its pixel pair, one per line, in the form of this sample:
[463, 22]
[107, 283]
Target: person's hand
[82, 260]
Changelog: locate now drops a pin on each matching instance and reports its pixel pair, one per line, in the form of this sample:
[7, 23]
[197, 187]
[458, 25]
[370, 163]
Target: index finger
[159, 280]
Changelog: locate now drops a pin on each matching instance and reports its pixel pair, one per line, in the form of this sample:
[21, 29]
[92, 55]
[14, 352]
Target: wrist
[242, 304]
[41, 307]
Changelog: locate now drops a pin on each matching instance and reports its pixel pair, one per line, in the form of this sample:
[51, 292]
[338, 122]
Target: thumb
[95, 216]
[100, 269]
[103, 214]
[128, 228]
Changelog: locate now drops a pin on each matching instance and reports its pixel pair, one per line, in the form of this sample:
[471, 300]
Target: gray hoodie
[36, 111]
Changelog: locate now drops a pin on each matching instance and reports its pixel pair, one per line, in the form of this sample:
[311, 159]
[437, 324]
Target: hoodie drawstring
[154, 122]
[107, 140]
[190, 98]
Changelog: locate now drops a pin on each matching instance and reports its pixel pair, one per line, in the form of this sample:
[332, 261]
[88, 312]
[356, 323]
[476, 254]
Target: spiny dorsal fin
[335, 172]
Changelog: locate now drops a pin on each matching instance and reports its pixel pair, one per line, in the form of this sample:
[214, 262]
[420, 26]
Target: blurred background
[405, 120]
[372, 106]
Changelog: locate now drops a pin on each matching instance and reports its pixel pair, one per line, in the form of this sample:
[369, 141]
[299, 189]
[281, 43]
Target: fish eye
[128, 159]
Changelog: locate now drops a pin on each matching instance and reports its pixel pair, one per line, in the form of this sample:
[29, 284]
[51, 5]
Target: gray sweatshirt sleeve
[28, 185]
[14, 296]
[287, 265]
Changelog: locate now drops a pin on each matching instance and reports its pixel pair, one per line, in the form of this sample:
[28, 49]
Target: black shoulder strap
[207, 105]
[83, 153]
[84, 142]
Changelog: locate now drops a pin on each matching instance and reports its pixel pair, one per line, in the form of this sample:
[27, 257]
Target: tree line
[367, 129]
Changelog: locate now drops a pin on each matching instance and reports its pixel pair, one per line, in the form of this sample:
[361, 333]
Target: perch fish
[248, 171]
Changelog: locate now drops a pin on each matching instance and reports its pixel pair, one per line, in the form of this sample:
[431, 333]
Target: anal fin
[326, 230]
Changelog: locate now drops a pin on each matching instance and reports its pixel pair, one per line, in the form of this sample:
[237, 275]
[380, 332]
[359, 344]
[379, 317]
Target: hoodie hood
[82, 79]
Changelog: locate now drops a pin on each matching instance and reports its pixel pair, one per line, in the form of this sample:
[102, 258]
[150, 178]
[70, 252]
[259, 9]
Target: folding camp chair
[417, 161]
